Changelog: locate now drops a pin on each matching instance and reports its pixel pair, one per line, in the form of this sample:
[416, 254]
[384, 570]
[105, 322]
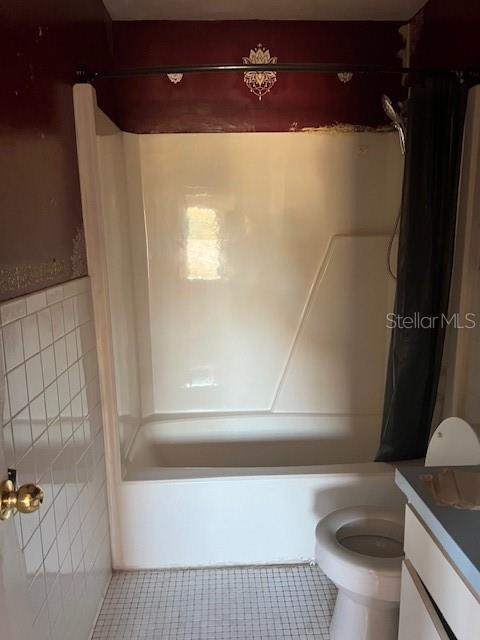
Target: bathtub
[193, 497]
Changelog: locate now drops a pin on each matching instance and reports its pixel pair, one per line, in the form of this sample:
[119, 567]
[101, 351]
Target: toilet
[361, 548]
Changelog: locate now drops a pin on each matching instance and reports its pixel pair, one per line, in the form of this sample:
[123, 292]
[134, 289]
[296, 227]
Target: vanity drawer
[418, 618]
[453, 597]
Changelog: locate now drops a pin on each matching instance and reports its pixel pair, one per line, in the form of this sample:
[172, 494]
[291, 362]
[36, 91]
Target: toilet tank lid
[454, 442]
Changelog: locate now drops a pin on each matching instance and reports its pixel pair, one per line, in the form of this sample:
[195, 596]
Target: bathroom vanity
[440, 592]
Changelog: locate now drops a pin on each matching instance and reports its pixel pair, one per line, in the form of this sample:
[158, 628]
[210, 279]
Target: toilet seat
[362, 575]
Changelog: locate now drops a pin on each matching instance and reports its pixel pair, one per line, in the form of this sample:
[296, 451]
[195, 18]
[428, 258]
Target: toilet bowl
[361, 549]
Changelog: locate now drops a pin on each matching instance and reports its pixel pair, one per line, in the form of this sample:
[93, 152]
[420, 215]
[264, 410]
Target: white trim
[84, 100]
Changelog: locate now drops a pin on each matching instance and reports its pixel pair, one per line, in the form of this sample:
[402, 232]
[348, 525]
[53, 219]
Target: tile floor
[248, 603]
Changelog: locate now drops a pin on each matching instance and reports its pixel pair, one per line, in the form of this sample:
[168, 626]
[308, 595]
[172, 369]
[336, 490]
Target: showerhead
[397, 120]
[389, 108]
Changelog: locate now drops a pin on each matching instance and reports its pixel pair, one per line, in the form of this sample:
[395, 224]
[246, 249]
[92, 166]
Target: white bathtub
[175, 512]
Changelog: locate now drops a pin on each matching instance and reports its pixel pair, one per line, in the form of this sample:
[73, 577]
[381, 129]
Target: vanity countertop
[457, 530]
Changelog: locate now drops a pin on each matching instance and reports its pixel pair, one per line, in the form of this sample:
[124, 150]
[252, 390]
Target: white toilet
[361, 548]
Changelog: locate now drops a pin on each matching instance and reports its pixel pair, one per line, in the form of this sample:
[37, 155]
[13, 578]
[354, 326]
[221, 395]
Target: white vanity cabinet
[418, 617]
[429, 576]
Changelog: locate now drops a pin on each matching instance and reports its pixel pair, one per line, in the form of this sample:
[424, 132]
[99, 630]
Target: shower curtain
[427, 236]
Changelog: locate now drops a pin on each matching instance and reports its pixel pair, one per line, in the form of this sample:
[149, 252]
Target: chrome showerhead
[397, 120]
[389, 109]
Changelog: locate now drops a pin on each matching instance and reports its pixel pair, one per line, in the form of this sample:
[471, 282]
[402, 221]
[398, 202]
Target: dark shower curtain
[436, 116]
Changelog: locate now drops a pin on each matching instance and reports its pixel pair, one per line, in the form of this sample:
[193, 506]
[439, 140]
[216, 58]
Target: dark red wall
[447, 33]
[41, 43]
[222, 102]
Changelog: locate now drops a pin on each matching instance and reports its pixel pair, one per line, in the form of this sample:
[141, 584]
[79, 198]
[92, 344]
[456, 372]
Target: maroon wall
[41, 43]
[222, 102]
[447, 33]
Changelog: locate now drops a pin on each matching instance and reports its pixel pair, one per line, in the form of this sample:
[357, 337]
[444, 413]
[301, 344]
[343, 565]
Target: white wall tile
[48, 365]
[45, 328]
[51, 402]
[60, 506]
[29, 526]
[70, 289]
[53, 435]
[42, 623]
[71, 344]
[36, 301]
[76, 549]
[55, 294]
[31, 342]
[26, 469]
[66, 423]
[6, 407]
[58, 474]
[9, 450]
[37, 593]
[33, 554]
[17, 389]
[68, 315]
[60, 355]
[58, 325]
[13, 310]
[34, 376]
[38, 418]
[12, 343]
[43, 456]
[22, 433]
[54, 601]
[74, 380]
[63, 541]
[63, 390]
[48, 533]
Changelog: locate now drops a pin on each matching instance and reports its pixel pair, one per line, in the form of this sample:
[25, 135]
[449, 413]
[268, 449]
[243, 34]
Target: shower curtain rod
[86, 75]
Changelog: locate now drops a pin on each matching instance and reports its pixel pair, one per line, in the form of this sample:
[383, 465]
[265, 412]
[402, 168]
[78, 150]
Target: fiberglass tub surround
[242, 298]
[249, 292]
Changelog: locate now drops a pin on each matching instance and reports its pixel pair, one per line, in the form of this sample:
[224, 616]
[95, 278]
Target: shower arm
[86, 75]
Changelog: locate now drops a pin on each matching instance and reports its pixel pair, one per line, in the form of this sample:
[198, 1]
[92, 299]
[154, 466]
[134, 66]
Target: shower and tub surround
[242, 279]
[248, 291]
[53, 435]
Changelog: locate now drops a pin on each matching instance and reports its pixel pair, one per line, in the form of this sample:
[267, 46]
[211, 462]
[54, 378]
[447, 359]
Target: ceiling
[263, 9]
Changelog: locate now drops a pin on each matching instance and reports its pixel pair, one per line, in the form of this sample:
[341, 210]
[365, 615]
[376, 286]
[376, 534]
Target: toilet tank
[454, 443]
